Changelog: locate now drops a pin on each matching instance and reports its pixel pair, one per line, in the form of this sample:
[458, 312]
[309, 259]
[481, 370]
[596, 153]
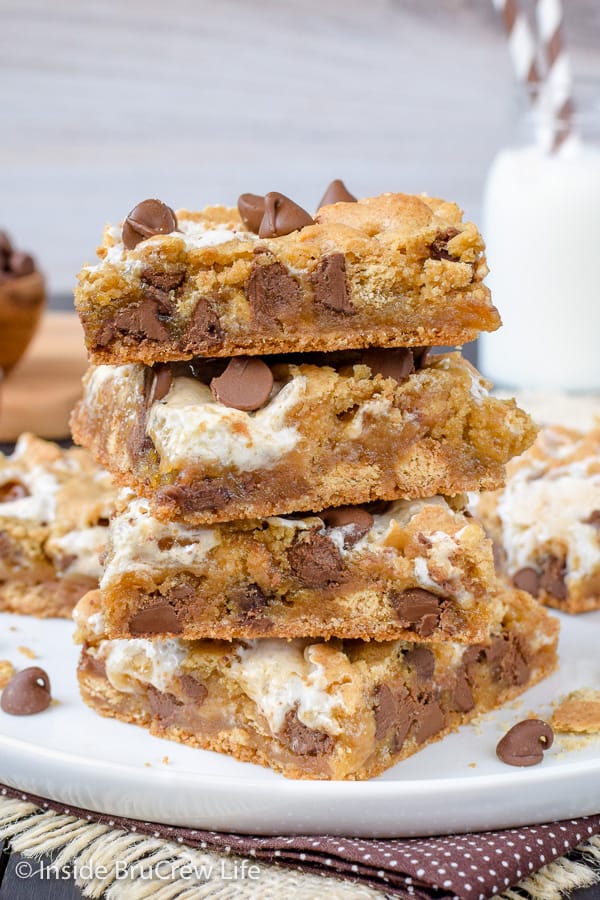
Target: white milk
[542, 230]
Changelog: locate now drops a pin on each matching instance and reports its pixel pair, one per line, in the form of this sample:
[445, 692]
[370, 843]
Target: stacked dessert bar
[292, 577]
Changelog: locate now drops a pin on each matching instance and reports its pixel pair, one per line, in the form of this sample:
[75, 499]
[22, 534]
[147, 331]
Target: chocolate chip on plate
[282, 216]
[251, 208]
[525, 743]
[27, 692]
[337, 192]
[245, 384]
[148, 218]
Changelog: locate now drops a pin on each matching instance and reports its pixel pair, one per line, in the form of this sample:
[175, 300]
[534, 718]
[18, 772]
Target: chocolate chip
[331, 285]
[385, 710]
[21, 264]
[161, 384]
[525, 743]
[251, 602]
[282, 216]
[420, 355]
[593, 519]
[272, 291]
[159, 619]
[26, 693]
[158, 284]
[417, 609]
[164, 706]
[431, 720]
[341, 516]
[193, 688]
[552, 579]
[141, 322]
[204, 329]
[304, 741]
[251, 208]
[397, 364]
[245, 384]
[12, 490]
[316, 562]
[337, 192]
[462, 695]
[506, 661]
[188, 497]
[422, 661]
[148, 218]
[439, 248]
[527, 579]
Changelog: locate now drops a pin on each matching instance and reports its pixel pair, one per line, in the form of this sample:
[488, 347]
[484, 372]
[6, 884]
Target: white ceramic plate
[74, 756]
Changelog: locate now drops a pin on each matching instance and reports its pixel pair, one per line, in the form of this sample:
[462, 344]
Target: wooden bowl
[22, 302]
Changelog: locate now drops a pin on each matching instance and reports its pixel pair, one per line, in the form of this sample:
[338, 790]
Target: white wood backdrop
[105, 102]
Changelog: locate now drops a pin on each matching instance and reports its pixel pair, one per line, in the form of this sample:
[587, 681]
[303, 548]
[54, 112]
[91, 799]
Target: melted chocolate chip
[336, 192]
[159, 619]
[165, 707]
[272, 291]
[527, 579]
[397, 364]
[331, 285]
[431, 719]
[316, 562]
[12, 490]
[251, 208]
[245, 384]
[251, 604]
[385, 710]
[552, 579]
[506, 661]
[462, 695]
[161, 385]
[282, 216]
[525, 743]
[27, 693]
[422, 661]
[304, 741]
[204, 329]
[186, 497]
[141, 322]
[148, 218]
[341, 516]
[158, 284]
[193, 689]
[439, 248]
[418, 609]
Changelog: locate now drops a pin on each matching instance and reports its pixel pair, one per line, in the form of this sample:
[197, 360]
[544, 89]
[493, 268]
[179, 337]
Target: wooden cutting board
[40, 392]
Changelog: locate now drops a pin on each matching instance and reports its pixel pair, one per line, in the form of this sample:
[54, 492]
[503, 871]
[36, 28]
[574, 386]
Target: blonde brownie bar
[546, 522]
[54, 510]
[315, 709]
[413, 570]
[388, 271]
[357, 429]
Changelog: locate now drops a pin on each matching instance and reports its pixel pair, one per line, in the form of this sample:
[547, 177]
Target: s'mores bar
[546, 522]
[412, 570]
[55, 506]
[213, 441]
[310, 708]
[388, 271]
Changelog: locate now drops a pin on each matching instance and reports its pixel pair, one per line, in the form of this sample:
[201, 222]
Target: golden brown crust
[357, 438]
[388, 271]
[391, 705]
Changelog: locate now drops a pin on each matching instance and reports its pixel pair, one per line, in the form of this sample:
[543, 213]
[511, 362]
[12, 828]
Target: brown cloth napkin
[465, 866]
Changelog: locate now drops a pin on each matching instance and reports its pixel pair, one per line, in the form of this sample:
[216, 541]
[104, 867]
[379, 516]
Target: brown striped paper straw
[558, 81]
[521, 40]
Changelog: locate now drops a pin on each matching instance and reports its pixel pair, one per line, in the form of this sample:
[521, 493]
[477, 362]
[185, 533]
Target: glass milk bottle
[542, 230]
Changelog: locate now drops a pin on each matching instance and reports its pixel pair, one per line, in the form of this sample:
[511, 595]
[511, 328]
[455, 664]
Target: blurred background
[106, 103]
